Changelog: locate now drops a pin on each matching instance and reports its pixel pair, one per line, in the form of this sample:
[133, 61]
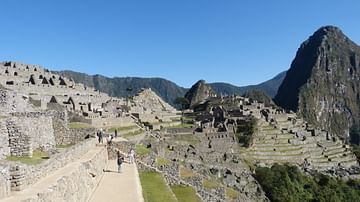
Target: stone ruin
[36, 107]
[85, 104]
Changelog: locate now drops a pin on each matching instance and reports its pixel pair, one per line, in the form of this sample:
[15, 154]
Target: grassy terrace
[185, 193]
[131, 134]
[141, 150]
[79, 125]
[189, 138]
[231, 193]
[162, 162]
[210, 184]
[37, 158]
[154, 188]
[119, 129]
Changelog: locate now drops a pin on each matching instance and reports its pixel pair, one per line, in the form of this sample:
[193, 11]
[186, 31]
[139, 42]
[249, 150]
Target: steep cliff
[322, 83]
[198, 93]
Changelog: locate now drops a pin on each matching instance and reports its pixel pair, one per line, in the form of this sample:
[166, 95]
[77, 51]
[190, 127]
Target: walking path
[116, 186]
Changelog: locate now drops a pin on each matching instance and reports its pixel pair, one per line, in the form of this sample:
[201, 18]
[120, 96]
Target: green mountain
[127, 86]
[322, 83]
[270, 87]
[167, 90]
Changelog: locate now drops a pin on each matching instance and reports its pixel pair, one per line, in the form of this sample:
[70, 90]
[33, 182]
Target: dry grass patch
[186, 173]
[231, 193]
[207, 184]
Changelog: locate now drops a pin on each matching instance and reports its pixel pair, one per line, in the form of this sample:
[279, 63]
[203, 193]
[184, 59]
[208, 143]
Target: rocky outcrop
[323, 84]
[198, 93]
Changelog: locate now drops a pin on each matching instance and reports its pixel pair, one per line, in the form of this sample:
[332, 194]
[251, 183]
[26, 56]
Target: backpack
[119, 161]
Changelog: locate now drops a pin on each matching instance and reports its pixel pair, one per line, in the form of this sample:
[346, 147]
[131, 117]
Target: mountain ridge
[117, 86]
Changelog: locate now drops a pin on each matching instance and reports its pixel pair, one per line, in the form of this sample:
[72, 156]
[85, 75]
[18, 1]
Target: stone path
[117, 187]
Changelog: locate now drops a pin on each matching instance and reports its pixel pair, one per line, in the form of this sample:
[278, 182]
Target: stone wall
[4, 140]
[22, 175]
[76, 185]
[35, 173]
[19, 142]
[35, 126]
[76, 135]
[13, 102]
[4, 181]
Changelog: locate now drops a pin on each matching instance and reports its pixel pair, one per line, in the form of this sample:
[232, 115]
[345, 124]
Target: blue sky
[236, 41]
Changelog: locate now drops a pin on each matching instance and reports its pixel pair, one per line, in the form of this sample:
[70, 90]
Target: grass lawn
[141, 150]
[185, 193]
[154, 188]
[38, 157]
[79, 125]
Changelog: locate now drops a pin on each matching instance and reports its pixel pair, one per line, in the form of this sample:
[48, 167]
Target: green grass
[185, 193]
[119, 129]
[189, 138]
[186, 173]
[154, 188]
[231, 193]
[64, 146]
[38, 157]
[141, 150]
[210, 184]
[162, 161]
[79, 125]
[131, 134]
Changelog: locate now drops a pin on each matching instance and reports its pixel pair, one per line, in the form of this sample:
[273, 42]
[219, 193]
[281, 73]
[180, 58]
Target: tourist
[118, 154]
[101, 135]
[109, 139]
[120, 160]
[131, 156]
[98, 135]
[116, 134]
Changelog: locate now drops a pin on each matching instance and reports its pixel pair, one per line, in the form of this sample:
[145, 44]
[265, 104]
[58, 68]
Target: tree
[183, 102]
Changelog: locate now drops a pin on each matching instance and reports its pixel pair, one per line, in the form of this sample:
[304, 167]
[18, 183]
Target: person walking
[101, 136]
[116, 134]
[131, 155]
[98, 135]
[120, 161]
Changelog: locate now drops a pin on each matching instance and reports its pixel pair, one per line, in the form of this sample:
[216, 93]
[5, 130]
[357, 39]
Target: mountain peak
[322, 82]
[328, 29]
[199, 92]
